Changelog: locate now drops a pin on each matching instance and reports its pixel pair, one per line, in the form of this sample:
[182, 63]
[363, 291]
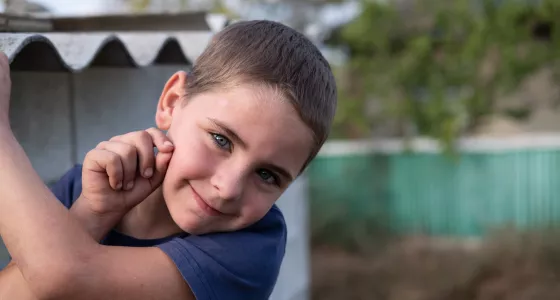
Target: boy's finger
[128, 158]
[99, 160]
[160, 140]
[144, 147]
[162, 162]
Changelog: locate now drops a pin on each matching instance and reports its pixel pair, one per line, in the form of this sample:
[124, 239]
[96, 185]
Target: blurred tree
[436, 67]
[215, 6]
[143, 5]
[298, 13]
[424, 67]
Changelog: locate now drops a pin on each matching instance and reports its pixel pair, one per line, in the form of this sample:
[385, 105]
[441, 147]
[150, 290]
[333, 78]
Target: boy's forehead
[249, 102]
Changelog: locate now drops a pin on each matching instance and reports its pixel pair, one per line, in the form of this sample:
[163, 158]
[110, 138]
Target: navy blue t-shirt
[236, 265]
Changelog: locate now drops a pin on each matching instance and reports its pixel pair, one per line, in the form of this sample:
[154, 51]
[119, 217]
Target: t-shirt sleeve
[240, 265]
[69, 187]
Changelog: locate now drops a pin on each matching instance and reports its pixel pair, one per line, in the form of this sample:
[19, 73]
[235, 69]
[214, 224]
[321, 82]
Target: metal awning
[72, 44]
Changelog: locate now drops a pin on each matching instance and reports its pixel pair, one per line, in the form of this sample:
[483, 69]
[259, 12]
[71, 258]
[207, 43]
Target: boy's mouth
[204, 205]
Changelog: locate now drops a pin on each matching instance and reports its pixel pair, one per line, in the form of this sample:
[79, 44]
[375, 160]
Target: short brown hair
[271, 53]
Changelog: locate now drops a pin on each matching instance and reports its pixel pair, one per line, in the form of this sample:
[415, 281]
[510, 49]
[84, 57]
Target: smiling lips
[204, 206]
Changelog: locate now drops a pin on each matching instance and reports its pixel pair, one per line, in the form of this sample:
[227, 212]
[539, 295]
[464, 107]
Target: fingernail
[148, 173]
[168, 144]
[130, 185]
[119, 185]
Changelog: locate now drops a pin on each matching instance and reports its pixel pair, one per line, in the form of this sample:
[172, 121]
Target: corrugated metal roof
[76, 51]
[71, 44]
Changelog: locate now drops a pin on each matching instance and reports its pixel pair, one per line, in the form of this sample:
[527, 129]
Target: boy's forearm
[31, 218]
[96, 225]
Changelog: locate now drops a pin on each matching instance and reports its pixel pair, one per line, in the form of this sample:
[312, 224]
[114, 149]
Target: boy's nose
[229, 183]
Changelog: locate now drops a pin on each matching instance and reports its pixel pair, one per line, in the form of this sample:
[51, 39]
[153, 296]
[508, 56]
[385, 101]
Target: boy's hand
[5, 90]
[120, 173]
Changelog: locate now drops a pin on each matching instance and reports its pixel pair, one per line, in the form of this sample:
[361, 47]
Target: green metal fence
[357, 190]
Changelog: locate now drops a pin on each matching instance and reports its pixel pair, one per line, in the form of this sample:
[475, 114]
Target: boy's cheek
[188, 165]
[255, 210]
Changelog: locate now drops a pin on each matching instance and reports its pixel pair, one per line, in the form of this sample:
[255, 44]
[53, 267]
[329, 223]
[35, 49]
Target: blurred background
[441, 177]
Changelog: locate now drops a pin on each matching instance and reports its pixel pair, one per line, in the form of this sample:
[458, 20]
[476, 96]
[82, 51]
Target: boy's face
[236, 151]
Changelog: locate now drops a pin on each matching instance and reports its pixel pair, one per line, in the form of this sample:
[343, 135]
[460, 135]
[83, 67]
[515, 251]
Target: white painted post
[294, 280]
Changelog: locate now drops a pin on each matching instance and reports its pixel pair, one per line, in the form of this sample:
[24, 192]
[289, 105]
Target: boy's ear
[172, 95]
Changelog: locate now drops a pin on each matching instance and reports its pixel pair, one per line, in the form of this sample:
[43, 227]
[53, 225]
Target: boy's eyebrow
[283, 172]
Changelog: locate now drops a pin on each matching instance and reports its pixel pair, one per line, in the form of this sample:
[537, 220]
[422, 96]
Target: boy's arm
[13, 285]
[96, 225]
[57, 257]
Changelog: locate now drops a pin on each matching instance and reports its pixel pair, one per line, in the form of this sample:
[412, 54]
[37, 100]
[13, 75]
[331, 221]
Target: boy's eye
[221, 141]
[267, 176]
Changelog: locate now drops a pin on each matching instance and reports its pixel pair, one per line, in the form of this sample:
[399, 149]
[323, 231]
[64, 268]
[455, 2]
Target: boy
[195, 221]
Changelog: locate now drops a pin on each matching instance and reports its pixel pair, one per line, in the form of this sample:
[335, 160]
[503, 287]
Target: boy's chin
[193, 224]
[202, 230]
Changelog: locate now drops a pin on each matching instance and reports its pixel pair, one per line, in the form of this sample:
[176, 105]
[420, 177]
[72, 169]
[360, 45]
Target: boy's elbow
[59, 282]
[51, 284]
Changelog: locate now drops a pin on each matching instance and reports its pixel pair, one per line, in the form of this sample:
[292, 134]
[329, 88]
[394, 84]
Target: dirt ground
[506, 267]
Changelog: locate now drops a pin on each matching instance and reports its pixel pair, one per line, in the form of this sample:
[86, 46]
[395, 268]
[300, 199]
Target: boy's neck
[149, 220]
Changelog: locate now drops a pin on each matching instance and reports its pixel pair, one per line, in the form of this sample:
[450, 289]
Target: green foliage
[437, 67]
[219, 7]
